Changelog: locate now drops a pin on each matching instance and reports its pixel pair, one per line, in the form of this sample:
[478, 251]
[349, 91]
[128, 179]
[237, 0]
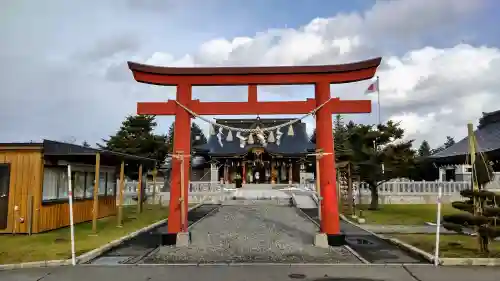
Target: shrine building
[279, 156]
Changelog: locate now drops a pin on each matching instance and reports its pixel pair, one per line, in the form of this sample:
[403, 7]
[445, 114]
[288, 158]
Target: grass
[55, 244]
[451, 246]
[404, 214]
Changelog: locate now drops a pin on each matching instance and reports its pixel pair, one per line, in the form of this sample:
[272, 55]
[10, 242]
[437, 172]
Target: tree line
[379, 153]
[137, 136]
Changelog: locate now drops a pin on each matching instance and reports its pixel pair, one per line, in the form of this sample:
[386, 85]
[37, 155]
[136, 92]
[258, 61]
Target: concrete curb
[34, 264]
[448, 261]
[357, 255]
[428, 257]
[470, 261]
[398, 265]
[86, 257]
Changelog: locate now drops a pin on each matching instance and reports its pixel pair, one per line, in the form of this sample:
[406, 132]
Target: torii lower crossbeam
[320, 76]
[249, 108]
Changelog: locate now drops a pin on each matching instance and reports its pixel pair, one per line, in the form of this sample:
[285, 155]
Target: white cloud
[432, 91]
[435, 92]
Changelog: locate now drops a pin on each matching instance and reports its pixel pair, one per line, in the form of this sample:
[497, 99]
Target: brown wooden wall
[56, 215]
[25, 181]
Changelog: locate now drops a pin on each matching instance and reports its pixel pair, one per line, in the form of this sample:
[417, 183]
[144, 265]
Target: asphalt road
[358, 272]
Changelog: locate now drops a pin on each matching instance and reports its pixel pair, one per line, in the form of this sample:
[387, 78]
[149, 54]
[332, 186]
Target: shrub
[481, 210]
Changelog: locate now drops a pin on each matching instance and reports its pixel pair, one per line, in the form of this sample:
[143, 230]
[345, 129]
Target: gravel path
[249, 232]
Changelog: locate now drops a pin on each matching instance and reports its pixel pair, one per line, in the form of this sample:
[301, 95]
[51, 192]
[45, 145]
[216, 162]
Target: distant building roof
[487, 136]
[295, 145]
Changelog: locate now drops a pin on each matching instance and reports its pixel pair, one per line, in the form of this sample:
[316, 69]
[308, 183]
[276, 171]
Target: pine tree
[340, 138]
[197, 135]
[170, 138]
[449, 142]
[425, 149]
[85, 144]
[196, 131]
[424, 168]
[397, 158]
[136, 137]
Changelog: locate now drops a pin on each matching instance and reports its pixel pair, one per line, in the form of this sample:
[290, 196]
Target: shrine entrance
[322, 107]
[257, 166]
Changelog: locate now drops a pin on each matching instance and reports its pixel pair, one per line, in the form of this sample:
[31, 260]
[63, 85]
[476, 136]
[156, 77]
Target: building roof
[296, 145]
[56, 148]
[61, 148]
[487, 136]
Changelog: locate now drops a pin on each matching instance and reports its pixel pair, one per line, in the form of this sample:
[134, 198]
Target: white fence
[392, 192]
[417, 192]
[198, 192]
[418, 187]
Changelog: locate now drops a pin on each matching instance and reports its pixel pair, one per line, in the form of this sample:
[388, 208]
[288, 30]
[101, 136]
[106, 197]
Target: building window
[78, 180]
[111, 184]
[50, 184]
[450, 175]
[55, 183]
[102, 183]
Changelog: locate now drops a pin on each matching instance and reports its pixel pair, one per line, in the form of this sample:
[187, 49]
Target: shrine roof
[296, 145]
[488, 141]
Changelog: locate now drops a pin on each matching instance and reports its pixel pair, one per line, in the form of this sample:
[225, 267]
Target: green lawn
[408, 214]
[451, 246]
[55, 244]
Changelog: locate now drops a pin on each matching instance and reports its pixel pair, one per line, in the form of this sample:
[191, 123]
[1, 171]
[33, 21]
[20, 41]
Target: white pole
[438, 225]
[71, 222]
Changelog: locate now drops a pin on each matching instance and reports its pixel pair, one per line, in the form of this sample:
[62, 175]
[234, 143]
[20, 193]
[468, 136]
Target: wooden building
[279, 160]
[34, 184]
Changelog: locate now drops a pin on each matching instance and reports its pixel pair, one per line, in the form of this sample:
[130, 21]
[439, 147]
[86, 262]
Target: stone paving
[253, 231]
[358, 272]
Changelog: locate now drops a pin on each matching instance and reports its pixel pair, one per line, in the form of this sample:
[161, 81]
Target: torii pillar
[320, 76]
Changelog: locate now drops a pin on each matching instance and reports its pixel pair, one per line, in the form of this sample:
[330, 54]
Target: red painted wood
[182, 142]
[330, 223]
[258, 79]
[321, 76]
[244, 173]
[252, 93]
[249, 108]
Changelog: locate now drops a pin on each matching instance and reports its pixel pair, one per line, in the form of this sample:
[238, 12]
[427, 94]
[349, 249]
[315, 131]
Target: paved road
[253, 232]
[255, 272]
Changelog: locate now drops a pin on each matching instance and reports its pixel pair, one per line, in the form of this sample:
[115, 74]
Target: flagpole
[382, 166]
[378, 100]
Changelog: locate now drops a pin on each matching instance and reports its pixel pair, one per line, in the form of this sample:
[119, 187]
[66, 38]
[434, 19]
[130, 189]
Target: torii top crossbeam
[253, 76]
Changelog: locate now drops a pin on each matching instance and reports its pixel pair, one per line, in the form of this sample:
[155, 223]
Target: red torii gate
[321, 76]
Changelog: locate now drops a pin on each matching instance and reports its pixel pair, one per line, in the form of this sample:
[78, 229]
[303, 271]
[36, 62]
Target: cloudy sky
[63, 72]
